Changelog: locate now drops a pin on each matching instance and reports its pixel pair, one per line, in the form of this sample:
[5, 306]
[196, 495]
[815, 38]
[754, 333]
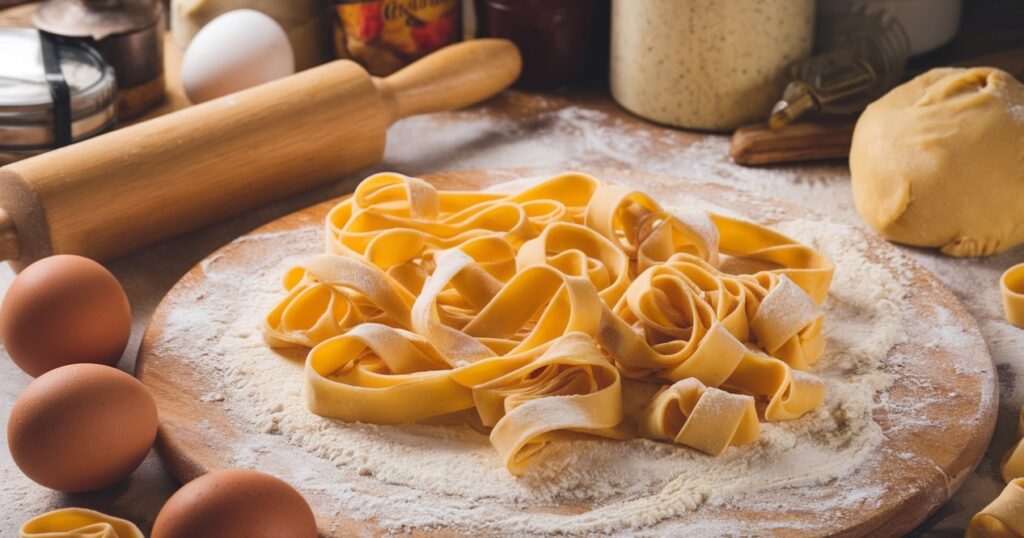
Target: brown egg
[235, 503]
[63, 310]
[81, 427]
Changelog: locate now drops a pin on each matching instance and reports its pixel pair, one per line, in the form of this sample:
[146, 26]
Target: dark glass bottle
[563, 42]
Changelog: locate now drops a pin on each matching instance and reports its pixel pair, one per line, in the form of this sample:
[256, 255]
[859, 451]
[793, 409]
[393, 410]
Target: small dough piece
[78, 523]
[704, 418]
[939, 162]
[1003, 517]
[1013, 462]
[307, 23]
[1012, 287]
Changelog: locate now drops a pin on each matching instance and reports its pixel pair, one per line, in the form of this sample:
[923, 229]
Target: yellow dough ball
[939, 162]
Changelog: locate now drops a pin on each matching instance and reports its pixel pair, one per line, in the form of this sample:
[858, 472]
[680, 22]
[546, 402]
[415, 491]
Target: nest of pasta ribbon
[532, 307]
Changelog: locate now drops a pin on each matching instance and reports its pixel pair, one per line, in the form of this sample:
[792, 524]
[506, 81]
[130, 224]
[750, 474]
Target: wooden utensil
[830, 137]
[931, 444]
[109, 195]
[803, 141]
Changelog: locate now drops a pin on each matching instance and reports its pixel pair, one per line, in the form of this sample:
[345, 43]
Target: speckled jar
[706, 64]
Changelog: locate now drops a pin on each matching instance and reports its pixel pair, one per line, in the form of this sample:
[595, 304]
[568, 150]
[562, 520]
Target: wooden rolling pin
[109, 195]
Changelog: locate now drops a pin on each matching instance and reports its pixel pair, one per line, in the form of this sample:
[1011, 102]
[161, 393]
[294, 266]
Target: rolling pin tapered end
[24, 235]
[10, 246]
[453, 77]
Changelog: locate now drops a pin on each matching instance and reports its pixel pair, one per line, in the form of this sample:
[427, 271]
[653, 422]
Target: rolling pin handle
[192, 167]
[10, 246]
[456, 76]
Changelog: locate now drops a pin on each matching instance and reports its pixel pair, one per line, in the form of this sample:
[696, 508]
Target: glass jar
[562, 42]
[29, 120]
[128, 34]
[706, 64]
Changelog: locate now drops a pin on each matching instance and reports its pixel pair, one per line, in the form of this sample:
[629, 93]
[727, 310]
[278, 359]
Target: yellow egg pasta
[78, 523]
[1013, 461]
[1003, 517]
[531, 308]
[701, 417]
[1011, 287]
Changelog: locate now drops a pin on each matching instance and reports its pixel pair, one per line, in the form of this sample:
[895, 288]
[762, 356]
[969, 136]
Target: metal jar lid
[96, 19]
[26, 106]
[127, 33]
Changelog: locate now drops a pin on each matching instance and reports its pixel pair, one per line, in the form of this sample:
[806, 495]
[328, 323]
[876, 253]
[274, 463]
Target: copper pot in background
[129, 35]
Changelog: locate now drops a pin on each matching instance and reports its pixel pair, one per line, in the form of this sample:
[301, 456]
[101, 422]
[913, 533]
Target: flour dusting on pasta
[443, 474]
[532, 309]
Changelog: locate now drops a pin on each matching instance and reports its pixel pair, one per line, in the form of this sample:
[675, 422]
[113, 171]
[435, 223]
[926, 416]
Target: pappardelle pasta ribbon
[1003, 517]
[78, 523]
[1013, 460]
[701, 417]
[1011, 287]
[532, 307]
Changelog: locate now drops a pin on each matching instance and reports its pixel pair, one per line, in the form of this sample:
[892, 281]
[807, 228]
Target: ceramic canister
[706, 64]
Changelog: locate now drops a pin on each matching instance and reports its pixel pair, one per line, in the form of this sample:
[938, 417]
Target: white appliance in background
[929, 23]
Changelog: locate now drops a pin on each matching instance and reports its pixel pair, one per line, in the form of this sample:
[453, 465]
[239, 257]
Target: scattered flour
[556, 133]
[446, 474]
[559, 137]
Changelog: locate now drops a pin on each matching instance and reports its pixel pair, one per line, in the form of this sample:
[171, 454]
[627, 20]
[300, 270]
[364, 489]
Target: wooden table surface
[575, 129]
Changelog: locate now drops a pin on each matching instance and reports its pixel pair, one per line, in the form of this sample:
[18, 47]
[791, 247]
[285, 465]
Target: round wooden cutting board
[931, 443]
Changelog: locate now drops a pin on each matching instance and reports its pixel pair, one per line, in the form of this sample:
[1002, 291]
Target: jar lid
[26, 105]
[95, 18]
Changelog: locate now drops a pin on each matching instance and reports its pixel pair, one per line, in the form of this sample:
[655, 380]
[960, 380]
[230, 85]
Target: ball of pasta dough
[939, 162]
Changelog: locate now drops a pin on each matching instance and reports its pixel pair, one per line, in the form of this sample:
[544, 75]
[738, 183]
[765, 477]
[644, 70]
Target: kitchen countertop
[554, 131]
[562, 130]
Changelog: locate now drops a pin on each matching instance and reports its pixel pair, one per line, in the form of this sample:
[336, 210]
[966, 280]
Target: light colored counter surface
[566, 131]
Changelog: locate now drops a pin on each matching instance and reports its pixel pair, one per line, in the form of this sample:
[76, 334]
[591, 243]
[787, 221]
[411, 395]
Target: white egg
[237, 50]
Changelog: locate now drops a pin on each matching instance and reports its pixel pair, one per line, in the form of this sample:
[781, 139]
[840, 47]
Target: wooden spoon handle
[826, 138]
[451, 78]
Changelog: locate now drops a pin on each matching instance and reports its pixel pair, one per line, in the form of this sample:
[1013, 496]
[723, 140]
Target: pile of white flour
[447, 475]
